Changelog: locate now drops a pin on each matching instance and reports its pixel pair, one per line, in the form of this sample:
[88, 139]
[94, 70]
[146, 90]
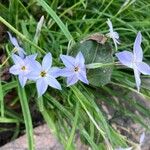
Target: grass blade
[79, 97]
[68, 147]
[50, 11]
[27, 117]
[1, 100]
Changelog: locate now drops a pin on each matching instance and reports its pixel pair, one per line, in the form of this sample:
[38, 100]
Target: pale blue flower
[45, 75]
[142, 138]
[19, 49]
[22, 67]
[134, 60]
[112, 34]
[75, 69]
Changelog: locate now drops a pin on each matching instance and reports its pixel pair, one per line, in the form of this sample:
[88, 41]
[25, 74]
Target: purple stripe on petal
[53, 82]
[143, 68]
[126, 58]
[137, 50]
[15, 69]
[82, 77]
[68, 60]
[72, 80]
[34, 65]
[47, 61]
[22, 80]
[66, 72]
[41, 86]
[34, 75]
[55, 72]
[17, 60]
[80, 59]
[13, 40]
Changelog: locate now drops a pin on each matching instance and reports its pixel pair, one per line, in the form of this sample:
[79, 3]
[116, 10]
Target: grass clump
[79, 107]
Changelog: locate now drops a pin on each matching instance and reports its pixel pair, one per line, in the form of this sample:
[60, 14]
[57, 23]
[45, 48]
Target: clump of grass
[76, 108]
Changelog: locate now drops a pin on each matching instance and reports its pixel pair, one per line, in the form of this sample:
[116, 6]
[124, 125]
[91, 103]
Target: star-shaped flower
[134, 60]
[19, 49]
[22, 67]
[75, 69]
[45, 75]
[112, 34]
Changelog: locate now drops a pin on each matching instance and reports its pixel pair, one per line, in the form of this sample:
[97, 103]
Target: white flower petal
[110, 25]
[15, 69]
[137, 50]
[47, 61]
[53, 82]
[82, 77]
[72, 80]
[66, 72]
[13, 39]
[143, 68]
[80, 59]
[137, 78]
[41, 86]
[68, 61]
[17, 60]
[55, 72]
[142, 138]
[126, 58]
[22, 80]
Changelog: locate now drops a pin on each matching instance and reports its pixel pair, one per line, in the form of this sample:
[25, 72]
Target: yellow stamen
[76, 69]
[43, 74]
[23, 68]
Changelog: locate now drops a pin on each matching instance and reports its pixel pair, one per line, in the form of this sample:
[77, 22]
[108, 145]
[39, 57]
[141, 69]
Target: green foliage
[78, 108]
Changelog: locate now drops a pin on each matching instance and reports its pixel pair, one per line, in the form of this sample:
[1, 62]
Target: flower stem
[98, 65]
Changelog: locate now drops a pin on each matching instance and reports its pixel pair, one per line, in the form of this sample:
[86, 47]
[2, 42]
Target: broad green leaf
[95, 52]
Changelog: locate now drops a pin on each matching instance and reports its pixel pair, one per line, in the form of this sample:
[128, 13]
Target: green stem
[40, 104]
[20, 34]
[27, 117]
[46, 116]
[1, 99]
[98, 65]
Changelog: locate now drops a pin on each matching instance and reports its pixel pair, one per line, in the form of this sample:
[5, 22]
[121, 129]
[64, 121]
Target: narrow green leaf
[68, 147]
[9, 86]
[79, 97]
[8, 120]
[1, 99]
[89, 139]
[51, 12]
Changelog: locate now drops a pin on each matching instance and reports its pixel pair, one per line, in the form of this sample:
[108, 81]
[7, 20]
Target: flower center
[23, 68]
[43, 74]
[76, 69]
